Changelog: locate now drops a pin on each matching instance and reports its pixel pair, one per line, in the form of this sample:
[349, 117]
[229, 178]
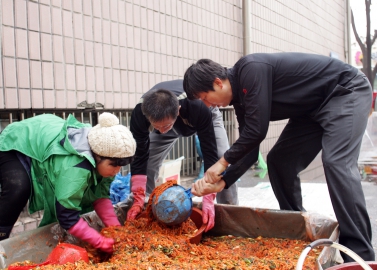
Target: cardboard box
[170, 170]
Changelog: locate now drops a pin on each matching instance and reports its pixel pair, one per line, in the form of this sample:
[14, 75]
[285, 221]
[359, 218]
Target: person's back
[298, 82]
[174, 86]
[42, 129]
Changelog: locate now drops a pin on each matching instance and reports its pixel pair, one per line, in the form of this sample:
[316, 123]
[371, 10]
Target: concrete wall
[57, 53]
[303, 26]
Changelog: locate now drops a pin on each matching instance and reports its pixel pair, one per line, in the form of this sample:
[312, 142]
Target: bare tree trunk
[366, 48]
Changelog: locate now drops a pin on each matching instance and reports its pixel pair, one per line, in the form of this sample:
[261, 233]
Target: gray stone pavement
[250, 181]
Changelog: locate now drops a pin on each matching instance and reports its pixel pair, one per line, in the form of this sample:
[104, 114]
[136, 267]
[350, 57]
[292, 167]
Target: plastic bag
[198, 149]
[120, 188]
[368, 150]
[318, 226]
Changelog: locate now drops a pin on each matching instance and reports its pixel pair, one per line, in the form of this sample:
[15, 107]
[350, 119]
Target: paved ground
[254, 190]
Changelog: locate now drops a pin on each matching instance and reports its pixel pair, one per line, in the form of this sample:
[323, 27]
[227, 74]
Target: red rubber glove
[105, 210]
[86, 233]
[208, 209]
[138, 184]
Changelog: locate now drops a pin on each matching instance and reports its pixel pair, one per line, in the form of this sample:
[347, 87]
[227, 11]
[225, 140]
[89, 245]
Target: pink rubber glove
[86, 233]
[138, 184]
[208, 209]
[105, 210]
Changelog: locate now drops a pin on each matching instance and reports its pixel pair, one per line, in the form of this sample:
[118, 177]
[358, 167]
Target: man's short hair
[160, 104]
[199, 77]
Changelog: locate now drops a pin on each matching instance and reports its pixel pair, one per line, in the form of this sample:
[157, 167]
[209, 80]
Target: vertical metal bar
[10, 118]
[185, 151]
[232, 126]
[182, 145]
[175, 153]
[190, 156]
[187, 156]
[183, 165]
[193, 154]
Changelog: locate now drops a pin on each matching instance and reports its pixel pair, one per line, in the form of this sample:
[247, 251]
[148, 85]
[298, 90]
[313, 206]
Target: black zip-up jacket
[194, 117]
[274, 86]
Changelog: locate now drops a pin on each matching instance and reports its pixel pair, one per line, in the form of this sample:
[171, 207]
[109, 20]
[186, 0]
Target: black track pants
[15, 188]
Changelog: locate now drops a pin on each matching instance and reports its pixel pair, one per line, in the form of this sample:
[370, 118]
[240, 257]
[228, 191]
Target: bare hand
[201, 187]
[213, 174]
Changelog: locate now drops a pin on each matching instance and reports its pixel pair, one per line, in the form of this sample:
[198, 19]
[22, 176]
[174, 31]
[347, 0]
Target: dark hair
[160, 104]
[118, 161]
[199, 77]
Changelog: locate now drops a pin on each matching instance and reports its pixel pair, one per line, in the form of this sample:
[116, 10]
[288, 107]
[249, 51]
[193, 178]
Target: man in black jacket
[327, 103]
[167, 110]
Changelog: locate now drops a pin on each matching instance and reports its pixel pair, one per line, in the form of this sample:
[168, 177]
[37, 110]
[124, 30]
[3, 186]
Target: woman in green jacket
[65, 168]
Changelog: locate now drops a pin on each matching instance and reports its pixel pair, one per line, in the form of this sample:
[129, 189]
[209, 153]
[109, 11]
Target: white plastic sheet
[368, 150]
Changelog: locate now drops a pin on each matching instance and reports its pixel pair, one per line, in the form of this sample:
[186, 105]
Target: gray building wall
[58, 53]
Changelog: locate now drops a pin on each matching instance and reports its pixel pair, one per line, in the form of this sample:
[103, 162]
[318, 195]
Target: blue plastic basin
[174, 206]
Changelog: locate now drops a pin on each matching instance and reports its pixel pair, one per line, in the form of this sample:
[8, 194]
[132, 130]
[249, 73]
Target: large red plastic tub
[352, 266]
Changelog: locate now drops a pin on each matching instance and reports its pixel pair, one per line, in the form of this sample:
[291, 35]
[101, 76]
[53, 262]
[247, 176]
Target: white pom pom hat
[110, 139]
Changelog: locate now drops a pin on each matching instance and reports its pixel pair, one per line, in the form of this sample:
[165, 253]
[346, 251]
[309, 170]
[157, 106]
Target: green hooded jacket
[62, 166]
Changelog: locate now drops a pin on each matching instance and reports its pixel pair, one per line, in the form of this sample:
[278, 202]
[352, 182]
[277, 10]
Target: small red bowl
[197, 217]
[61, 254]
[65, 252]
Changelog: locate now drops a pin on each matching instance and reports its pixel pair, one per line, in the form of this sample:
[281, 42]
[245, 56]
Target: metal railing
[184, 147]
